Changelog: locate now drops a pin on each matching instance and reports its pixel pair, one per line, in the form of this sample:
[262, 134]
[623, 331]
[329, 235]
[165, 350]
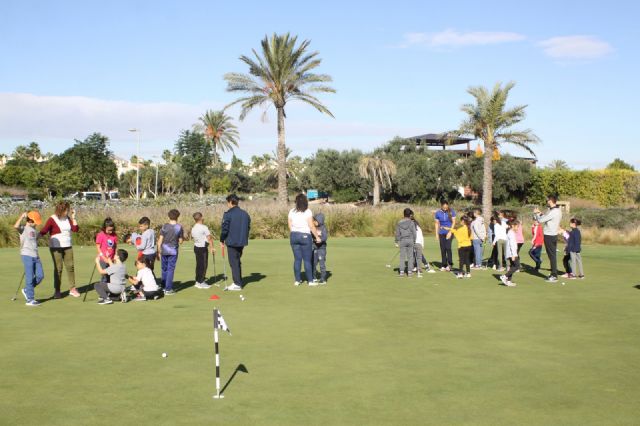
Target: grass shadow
[637, 286]
[253, 278]
[178, 286]
[240, 368]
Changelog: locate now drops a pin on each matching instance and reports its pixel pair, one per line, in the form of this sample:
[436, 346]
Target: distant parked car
[95, 195]
[18, 198]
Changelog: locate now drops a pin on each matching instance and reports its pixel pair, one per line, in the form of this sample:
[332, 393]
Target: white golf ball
[562, 283]
[164, 355]
[242, 298]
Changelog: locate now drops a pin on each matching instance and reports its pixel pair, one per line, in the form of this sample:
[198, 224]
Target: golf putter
[215, 276]
[15, 296]
[224, 266]
[89, 283]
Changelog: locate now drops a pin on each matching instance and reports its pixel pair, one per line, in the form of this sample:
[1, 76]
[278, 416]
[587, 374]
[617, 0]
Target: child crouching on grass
[116, 273]
[144, 282]
[33, 274]
[463, 235]
[511, 253]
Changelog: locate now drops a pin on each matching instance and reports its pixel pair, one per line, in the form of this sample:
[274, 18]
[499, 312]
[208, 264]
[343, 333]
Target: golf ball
[242, 298]
[562, 283]
[164, 355]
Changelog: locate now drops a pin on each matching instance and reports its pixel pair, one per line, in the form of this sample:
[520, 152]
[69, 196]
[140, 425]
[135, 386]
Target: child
[33, 274]
[145, 283]
[202, 246]
[499, 242]
[168, 249]
[145, 241]
[116, 272]
[106, 244]
[537, 239]
[320, 249]
[418, 251]
[574, 247]
[566, 259]
[463, 235]
[478, 235]
[405, 240]
[511, 252]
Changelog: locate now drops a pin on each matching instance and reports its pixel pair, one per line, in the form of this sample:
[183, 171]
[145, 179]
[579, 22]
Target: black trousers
[566, 262]
[445, 251]
[514, 266]
[550, 246]
[234, 254]
[464, 256]
[202, 262]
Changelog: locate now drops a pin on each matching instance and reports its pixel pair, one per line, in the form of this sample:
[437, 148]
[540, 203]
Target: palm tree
[282, 72]
[380, 171]
[219, 131]
[490, 120]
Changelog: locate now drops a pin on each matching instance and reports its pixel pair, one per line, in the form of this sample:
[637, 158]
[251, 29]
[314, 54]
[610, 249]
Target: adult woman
[301, 238]
[445, 217]
[60, 226]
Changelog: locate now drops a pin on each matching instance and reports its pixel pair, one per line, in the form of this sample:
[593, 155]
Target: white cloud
[575, 47]
[55, 121]
[453, 38]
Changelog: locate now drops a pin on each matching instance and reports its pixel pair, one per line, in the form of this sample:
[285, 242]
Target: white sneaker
[315, 280]
[233, 287]
[431, 271]
[467, 275]
[296, 283]
[202, 285]
[322, 282]
[510, 284]
[494, 268]
[459, 275]
[313, 283]
[504, 280]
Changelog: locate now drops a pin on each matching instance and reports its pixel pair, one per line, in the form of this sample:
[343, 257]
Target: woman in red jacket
[60, 226]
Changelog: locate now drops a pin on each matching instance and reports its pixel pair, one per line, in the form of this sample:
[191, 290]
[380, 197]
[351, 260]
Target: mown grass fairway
[369, 348]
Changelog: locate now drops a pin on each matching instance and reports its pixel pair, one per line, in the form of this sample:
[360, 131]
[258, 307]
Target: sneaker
[566, 275]
[419, 275]
[169, 292]
[100, 299]
[581, 277]
[572, 277]
[401, 275]
[552, 279]
[202, 285]
[105, 302]
[448, 269]
[459, 275]
[140, 298]
[74, 292]
[443, 269]
[32, 302]
[296, 283]
[233, 287]
[414, 270]
[494, 268]
[510, 284]
[467, 275]
[24, 293]
[322, 282]
[315, 280]
[313, 283]
[504, 279]
[431, 271]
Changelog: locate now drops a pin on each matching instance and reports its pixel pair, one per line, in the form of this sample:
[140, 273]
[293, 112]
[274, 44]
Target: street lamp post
[137, 131]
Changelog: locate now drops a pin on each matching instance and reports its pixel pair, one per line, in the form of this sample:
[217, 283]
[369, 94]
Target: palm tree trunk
[487, 183]
[282, 160]
[376, 191]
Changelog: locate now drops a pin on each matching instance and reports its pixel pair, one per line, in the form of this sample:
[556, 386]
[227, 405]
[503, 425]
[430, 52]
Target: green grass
[369, 348]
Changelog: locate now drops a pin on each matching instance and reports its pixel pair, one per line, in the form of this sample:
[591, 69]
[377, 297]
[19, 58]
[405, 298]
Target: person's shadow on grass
[253, 278]
[637, 286]
[240, 368]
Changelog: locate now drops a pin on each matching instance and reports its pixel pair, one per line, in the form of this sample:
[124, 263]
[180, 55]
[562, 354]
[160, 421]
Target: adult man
[550, 224]
[235, 235]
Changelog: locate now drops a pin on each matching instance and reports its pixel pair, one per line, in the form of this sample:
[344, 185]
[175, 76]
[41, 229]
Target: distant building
[125, 166]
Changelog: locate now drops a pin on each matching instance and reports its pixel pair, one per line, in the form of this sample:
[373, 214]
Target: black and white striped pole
[218, 395]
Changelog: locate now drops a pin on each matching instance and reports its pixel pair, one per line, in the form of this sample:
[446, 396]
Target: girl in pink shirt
[106, 244]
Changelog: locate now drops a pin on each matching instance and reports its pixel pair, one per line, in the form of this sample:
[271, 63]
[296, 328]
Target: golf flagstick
[218, 323]
[15, 296]
[90, 281]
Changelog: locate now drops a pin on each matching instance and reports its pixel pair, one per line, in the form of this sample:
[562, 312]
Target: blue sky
[70, 68]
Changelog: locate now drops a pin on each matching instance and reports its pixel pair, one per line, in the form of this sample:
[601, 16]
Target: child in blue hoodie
[320, 249]
[574, 247]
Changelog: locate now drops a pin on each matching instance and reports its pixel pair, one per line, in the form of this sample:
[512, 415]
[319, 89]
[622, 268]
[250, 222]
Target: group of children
[111, 260]
[505, 235]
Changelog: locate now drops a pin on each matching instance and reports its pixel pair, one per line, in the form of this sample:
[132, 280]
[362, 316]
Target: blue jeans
[477, 251]
[168, 262]
[535, 253]
[302, 247]
[33, 274]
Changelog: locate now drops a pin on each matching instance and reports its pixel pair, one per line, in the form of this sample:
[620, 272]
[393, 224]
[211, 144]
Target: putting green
[369, 348]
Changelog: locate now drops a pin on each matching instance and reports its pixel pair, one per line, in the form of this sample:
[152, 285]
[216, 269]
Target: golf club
[391, 260]
[90, 281]
[224, 266]
[215, 276]
[15, 296]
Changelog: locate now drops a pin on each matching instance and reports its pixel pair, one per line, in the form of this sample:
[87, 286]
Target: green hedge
[607, 187]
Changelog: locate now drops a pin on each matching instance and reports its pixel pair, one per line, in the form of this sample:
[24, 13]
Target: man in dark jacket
[320, 248]
[235, 235]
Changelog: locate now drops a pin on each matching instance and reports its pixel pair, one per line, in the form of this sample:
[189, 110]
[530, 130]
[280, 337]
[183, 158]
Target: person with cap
[33, 273]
